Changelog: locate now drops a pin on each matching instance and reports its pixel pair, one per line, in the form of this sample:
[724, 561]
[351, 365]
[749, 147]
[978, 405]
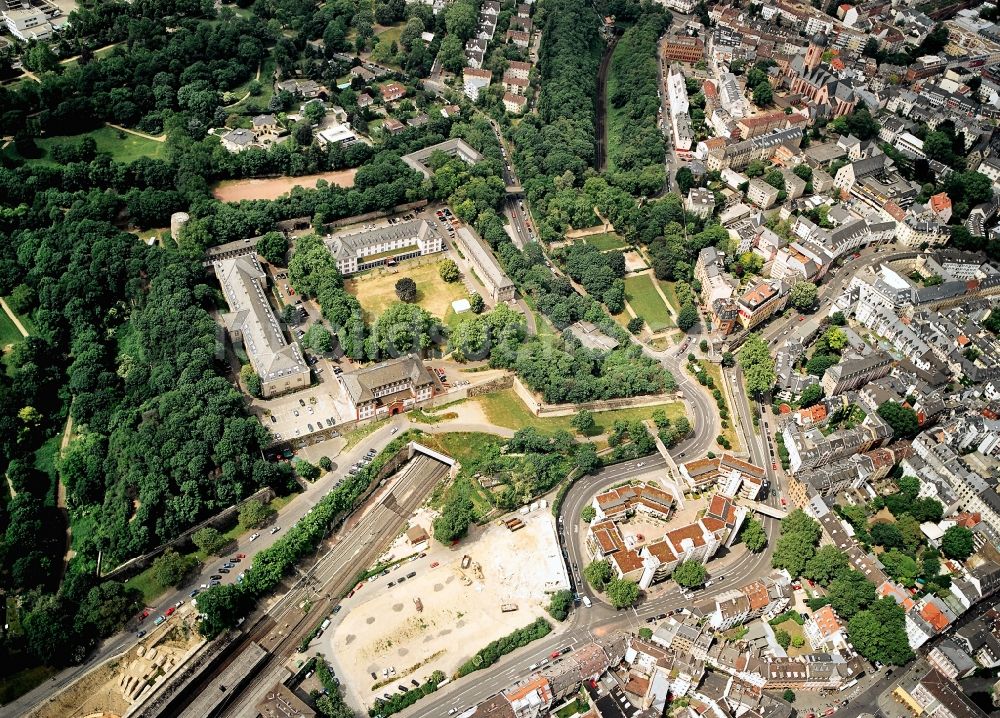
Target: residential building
[355, 251]
[392, 91]
[762, 194]
[825, 630]
[474, 80]
[853, 373]
[516, 68]
[514, 84]
[519, 37]
[387, 388]
[514, 104]
[305, 88]
[700, 202]
[251, 321]
[762, 300]
[238, 139]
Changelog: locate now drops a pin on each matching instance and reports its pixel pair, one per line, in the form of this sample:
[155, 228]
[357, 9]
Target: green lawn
[376, 290]
[505, 408]
[606, 241]
[8, 332]
[645, 300]
[122, 146]
[670, 294]
[391, 34]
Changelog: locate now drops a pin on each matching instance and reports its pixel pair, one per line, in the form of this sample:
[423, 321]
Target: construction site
[119, 688]
[434, 611]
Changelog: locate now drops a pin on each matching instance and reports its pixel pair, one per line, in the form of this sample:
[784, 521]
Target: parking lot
[296, 416]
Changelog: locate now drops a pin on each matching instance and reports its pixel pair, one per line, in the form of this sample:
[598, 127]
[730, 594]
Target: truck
[325, 625]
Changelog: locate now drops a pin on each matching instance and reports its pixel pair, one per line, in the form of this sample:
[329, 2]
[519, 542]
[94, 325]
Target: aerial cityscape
[500, 358]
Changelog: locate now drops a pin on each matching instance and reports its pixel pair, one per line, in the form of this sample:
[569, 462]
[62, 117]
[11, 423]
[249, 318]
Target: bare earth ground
[274, 187]
[100, 691]
[461, 609]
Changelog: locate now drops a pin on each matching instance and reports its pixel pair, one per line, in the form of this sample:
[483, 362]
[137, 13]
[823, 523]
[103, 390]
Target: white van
[586, 601]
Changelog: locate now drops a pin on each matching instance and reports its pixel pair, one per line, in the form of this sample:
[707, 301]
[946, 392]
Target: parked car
[253, 537]
[140, 634]
[276, 529]
[170, 611]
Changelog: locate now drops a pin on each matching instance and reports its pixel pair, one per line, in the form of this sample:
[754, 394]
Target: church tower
[814, 55]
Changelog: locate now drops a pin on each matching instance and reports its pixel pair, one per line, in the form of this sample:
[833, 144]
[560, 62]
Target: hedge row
[502, 646]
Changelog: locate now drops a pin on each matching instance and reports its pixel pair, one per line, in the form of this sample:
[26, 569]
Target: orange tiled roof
[932, 614]
[756, 593]
[827, 621]
[940, 202]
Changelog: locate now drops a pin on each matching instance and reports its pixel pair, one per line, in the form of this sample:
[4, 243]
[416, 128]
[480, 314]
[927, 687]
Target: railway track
[601, 123]
[333, 573]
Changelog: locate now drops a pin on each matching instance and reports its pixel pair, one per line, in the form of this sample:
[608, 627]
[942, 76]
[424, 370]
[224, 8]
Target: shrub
[495, 650]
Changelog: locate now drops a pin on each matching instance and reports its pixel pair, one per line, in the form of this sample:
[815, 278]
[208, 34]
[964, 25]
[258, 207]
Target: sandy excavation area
[461, 608]
[109, 690]
[274, 187]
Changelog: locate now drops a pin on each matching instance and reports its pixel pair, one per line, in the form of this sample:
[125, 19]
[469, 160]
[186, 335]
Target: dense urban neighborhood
[499, 358]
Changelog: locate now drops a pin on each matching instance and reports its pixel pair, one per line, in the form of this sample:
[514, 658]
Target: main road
[121, 642]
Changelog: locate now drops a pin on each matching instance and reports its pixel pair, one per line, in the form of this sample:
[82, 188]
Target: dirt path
[61, 496]
[13, 318]
[275, 187]
[137, 133]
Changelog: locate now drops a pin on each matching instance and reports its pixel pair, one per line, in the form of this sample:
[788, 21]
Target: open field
[461, 608]
[390, 34]
[376, 290]
[505, 408]
[606, 241]
[274, 187]
[108, 140]
[644, 299]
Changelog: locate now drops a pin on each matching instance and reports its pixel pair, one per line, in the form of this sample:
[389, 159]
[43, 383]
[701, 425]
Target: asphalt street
[288, 515]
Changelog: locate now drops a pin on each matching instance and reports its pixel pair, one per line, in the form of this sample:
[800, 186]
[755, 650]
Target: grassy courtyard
[505, 408]
[647, 303]
[376, 290]
[122, 146]
[606, 241]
